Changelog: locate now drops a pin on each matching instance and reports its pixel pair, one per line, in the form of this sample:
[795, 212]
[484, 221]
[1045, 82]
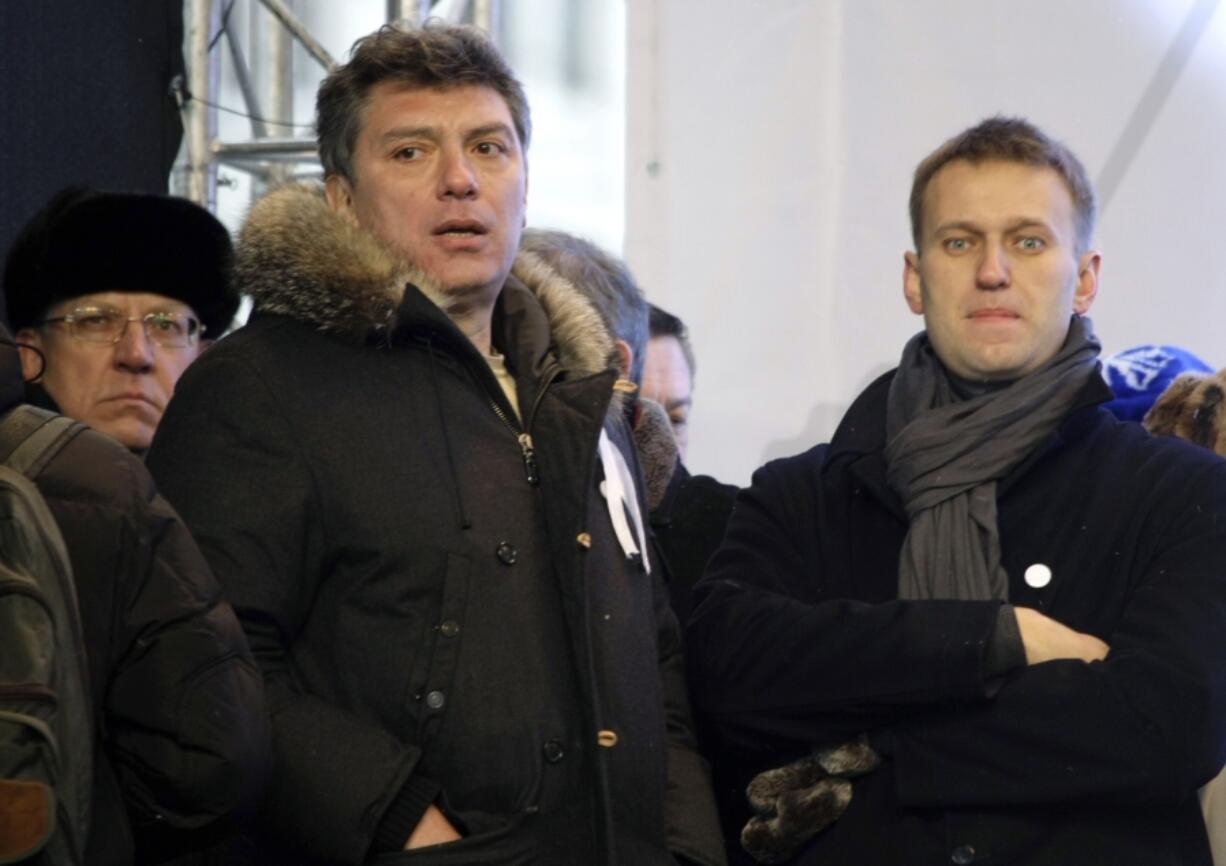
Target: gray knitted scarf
[944, 456]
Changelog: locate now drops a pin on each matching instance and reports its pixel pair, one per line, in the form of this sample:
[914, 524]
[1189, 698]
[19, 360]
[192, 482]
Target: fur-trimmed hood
[298, 258]
[653, 436]
[1192, 408]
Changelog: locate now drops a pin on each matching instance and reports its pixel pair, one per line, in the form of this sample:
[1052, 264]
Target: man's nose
[458, 178]
[134, 351]
[993, 271]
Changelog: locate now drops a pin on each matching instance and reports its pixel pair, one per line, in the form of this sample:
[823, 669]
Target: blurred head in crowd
[114, 294]
[668, 374]
[423, 136]
[606, 282]
[1138, 376]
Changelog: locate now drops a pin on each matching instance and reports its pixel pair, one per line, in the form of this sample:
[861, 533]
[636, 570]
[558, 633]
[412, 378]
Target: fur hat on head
[84, 241]
[1193, 408]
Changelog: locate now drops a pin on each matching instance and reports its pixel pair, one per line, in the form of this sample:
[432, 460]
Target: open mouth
[460, 229]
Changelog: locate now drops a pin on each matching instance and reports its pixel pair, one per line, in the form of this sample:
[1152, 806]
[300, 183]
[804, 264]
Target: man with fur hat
[413, 479]
[987, 622]
[169, 732]
[115, 294]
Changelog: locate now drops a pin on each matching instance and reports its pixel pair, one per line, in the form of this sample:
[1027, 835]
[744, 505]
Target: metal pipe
[299, 32]
[269, 160]
[487, 14]
[198, 86]
[411, 11]
[243, 73]
[210, 108]
[273, 146]
[279, 61]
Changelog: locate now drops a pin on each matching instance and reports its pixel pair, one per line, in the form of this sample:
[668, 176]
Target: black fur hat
[85, 241]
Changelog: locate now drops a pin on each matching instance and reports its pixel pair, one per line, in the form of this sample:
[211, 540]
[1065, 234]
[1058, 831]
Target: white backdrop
[769, 152]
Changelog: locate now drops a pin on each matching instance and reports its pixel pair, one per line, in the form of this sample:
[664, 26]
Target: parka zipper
[527, 450]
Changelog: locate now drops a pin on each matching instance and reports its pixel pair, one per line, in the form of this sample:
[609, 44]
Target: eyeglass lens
[107, 325]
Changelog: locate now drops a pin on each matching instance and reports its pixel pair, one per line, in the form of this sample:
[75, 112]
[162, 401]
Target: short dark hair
[434, 55]
[662, 323]
[1010, 139]
[603, 279]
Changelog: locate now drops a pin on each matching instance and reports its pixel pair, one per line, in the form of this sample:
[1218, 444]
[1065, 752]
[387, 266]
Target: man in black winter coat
[116, 293]
[690, 517]
[987, 622]
[180, 731]
[687, 512]
[411, 474]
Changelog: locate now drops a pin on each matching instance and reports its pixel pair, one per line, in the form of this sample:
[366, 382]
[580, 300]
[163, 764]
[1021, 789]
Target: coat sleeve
[183, 716]
[689, 802]
[227, 459]
[1147, 724]
[690, 815]
[778, 658]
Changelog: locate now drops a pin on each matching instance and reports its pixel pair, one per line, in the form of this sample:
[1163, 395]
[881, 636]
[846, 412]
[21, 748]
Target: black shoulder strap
[30, 437]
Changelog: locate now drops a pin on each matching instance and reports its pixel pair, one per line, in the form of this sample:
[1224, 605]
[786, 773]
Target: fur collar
[1192, 408]
[653, 436]
[584, 344]
[297, 258]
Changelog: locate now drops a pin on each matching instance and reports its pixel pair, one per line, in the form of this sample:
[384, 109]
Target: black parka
[177, 702]
[799, 639]
[437, 612]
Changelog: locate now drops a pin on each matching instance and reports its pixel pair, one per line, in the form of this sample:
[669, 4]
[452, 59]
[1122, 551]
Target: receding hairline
[1010, 140]
[435, 55]
[1017, 221]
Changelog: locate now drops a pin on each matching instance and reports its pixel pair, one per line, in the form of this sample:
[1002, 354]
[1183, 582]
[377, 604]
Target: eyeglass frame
[192, 337]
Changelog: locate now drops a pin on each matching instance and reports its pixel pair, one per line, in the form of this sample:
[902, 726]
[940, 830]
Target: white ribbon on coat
[621, 497]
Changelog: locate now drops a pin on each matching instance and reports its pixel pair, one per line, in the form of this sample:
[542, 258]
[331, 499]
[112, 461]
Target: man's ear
[912, 284]
[32, 363]
[625, 357]
[1087, 281]
[339, 194]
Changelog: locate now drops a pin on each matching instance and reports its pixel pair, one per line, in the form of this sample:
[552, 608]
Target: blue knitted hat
[1139, 376]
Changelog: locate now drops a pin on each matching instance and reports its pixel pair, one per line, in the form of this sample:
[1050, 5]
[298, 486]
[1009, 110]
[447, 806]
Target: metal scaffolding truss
[267, 155]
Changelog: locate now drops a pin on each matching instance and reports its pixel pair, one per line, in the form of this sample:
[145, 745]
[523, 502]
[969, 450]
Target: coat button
[584, 539]
[553, 751]
[1038, 575]
[435, 700]
[449, 628]
[963, 855]
[607, 739]
[507, 553]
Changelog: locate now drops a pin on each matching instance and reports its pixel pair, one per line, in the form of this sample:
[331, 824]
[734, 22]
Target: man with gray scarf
[987, 621]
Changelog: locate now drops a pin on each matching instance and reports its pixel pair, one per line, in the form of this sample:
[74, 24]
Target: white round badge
[1038, 575]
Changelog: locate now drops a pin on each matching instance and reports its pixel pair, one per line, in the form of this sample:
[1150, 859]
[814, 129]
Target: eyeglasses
[108, 325]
